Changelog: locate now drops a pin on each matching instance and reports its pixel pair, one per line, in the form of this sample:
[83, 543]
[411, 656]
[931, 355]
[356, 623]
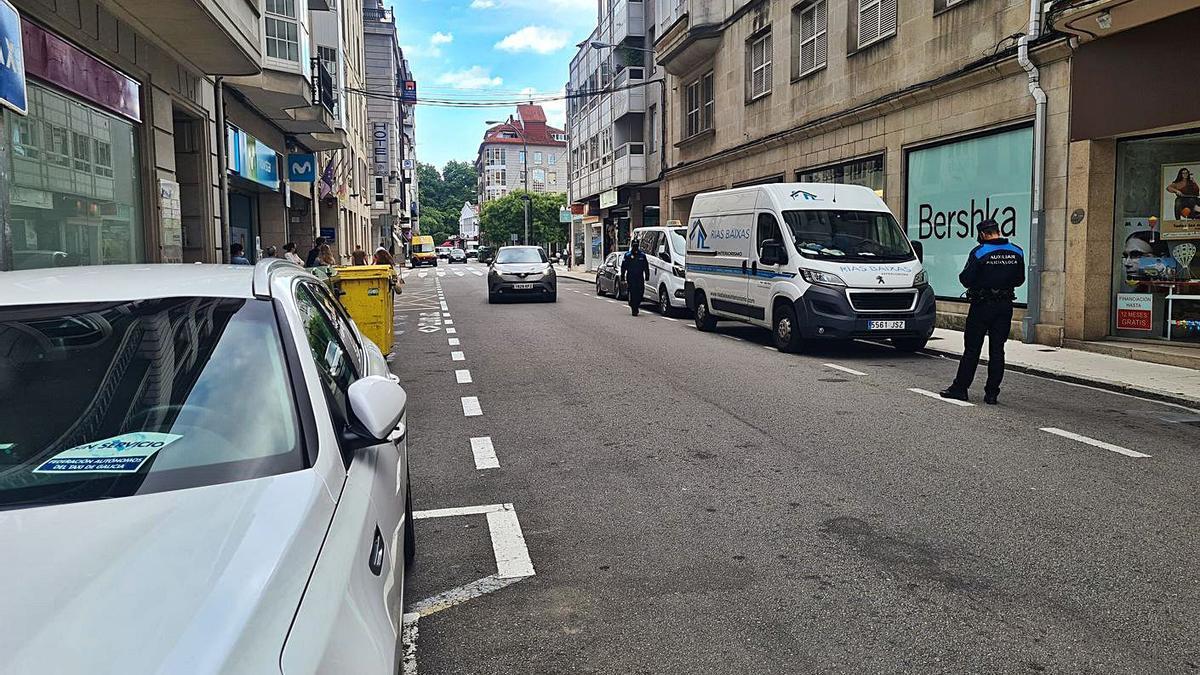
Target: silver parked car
[522, 271]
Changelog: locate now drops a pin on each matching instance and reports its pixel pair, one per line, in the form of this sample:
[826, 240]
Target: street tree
[501, 218]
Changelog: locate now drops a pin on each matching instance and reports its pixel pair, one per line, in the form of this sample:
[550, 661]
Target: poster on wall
[1135, 311]
[955, 186]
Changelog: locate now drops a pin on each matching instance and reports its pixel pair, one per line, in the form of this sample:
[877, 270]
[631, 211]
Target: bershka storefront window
[74, 194]
[1156, 280]
[954, 186]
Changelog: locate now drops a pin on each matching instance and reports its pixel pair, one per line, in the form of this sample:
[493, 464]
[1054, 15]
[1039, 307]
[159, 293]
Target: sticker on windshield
[120, 454]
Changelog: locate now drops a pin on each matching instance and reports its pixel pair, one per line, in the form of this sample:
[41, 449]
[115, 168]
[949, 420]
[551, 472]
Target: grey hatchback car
[522, 271]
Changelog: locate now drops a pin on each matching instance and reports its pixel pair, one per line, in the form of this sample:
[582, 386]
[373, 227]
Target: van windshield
[422, 248]
[848, 235]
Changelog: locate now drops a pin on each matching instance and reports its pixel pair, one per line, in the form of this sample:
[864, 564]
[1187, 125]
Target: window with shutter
[813, 39]
[876, 20]
[760, 66]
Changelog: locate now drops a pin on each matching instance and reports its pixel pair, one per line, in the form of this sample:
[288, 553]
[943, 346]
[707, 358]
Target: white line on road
[485, 453]
[669, 318]
[448, 322]
[451, 331]
[457, 273]
[767, 347]
[444, 307]
[453, 342]
[445, 313]
[470, 405]
[458, 511]
[422, 275]
[844, 369]
[1091, 441]
[455, 596]
[951, 401]
[477, 273]
[512, 555]
[458, 356]
[729, 336]
[613, 302]
[463, 376]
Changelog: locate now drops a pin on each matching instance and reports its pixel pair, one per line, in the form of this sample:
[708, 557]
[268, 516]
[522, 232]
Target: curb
[1118, 387]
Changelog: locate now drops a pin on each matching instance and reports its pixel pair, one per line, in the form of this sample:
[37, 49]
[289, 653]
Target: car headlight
[821, 278]
[921, 279]
[679, 271]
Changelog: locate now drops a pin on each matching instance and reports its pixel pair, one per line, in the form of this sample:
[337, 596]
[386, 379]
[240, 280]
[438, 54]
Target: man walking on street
[994, 268]
[311, 259]
[635, 269]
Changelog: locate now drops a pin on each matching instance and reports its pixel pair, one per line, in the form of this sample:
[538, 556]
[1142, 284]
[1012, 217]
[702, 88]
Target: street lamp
[525, 169]
[596, 44]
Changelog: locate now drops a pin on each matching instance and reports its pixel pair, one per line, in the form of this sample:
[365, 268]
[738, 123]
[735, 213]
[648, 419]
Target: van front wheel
[704, 319]
[787, 330]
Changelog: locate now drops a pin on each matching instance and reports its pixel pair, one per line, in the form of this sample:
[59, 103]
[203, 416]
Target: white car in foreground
[203, 469]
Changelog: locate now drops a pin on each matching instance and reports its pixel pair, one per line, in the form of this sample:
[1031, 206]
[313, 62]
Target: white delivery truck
[808, 261]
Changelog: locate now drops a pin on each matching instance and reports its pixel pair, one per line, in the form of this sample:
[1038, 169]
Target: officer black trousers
[993, 320]
[636, 288]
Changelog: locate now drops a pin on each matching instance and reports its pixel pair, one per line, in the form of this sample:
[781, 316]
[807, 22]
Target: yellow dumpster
[366, 293]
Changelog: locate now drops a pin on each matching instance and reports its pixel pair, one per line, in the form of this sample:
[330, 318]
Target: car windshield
[679, 240]
[121, 398]
[520, 255]
[848, 235]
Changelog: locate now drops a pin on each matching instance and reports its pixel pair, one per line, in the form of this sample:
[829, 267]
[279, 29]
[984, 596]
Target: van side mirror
[665, 256]
[772, 253]
[919, 249]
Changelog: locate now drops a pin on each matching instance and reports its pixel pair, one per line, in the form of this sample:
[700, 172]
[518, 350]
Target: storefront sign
[327, 233]
[302, 168]
[170, 221]
[408, 91]
[252, 159]
[608, 199]
[59, 62]
[564, 216]
[955, 186]
[12, 60]
[381, 148]
[1179, 229]
[408, 164]
[1135, 311]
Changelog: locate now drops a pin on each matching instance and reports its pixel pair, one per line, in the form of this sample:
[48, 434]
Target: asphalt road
[701, 503]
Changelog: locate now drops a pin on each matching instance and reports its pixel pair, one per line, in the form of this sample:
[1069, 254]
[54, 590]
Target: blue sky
[485, 49]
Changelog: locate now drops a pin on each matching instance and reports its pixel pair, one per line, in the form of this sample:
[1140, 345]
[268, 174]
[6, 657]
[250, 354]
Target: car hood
[521, 268]
[202, 580]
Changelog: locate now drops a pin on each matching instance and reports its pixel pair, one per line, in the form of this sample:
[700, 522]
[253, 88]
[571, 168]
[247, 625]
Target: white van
[666, 251]
[808, 261]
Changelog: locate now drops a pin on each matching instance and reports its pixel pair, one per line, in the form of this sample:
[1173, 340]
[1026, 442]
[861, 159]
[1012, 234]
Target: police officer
[995, 267]
[635, 269]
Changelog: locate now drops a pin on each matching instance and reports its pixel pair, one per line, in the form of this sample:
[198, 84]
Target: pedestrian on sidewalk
[289, 254]
[237, 255]
[358, 256]
[994, 268]
[311, 259]
[635, 269]
[325, 257]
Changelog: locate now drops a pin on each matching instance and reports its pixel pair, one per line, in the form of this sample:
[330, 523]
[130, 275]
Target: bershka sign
[953, 187]
[381, 148]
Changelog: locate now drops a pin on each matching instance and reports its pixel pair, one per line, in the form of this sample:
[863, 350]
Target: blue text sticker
[120, 454]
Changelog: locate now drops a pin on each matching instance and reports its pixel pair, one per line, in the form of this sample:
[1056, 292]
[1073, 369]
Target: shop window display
[1157, 232]
[73, 189]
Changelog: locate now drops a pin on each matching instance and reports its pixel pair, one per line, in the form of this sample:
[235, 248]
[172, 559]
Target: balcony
[632, 100]
[221, 37]
[693, 34]
[628, 20]
[1093, 19]
[629, 164]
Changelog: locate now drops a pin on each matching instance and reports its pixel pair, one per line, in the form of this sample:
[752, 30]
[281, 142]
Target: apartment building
[615, 130]
[501, 162]
[935, 105]
[392, 127]
[924, 101]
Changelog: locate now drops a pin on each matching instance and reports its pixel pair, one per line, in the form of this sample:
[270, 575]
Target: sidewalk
[576, 273]
[1152, 380]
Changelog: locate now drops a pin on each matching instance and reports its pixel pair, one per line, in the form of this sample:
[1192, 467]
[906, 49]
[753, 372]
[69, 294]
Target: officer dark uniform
[636, 271]
[995, 267]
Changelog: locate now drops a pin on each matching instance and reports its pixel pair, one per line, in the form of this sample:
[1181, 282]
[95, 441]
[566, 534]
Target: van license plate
[528, 287]
[885, 325]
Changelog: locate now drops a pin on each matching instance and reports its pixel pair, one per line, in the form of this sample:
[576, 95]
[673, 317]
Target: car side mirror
[772, 253]
[919, 249]
[664, 256]
[377, 404]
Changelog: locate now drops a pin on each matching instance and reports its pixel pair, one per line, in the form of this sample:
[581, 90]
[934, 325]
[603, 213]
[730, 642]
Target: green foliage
[504, 217]
[442, 194]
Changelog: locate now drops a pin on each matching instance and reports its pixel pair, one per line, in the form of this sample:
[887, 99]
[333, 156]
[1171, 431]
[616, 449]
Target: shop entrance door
[243, 223]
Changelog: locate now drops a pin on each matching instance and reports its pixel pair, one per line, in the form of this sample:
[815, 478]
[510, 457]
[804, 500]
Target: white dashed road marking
[669, 318]
[457, 356]
[453, 342]
[451, 331]
[1091, 441]
[463, 376]
[448, 322]
[470, 406]
[485, 453]
[444, 312]
[422, 275]
[844, 369]
[930, 394]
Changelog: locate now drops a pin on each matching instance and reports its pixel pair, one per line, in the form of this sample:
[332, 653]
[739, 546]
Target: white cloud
[537, 39]
[483, 4]
[475, 77]
[441, 38]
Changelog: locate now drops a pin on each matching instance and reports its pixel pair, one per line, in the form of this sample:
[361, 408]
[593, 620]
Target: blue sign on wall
[12, 60]
[328, 233]
[302, 168]
[251, 159]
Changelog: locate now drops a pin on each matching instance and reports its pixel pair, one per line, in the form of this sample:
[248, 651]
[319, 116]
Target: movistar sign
[12, 60]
